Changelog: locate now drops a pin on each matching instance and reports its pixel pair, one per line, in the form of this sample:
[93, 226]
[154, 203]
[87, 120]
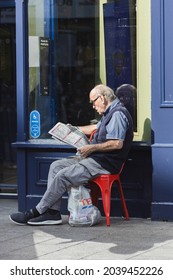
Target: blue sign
[34, 124]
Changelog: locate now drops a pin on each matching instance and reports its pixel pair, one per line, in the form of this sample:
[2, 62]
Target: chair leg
[105, 184]
[106, 196]
[123, 200]
[106, 199]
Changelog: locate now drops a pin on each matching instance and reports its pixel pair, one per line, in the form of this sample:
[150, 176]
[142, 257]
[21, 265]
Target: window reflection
[60, 80]
[127, 95]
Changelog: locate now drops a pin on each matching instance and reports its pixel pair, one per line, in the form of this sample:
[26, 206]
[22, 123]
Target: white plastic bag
[82, 211]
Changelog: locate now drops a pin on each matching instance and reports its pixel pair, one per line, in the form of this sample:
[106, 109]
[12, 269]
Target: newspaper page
[69, 134]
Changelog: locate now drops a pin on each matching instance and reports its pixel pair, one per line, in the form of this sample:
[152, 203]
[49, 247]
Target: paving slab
[136, 239]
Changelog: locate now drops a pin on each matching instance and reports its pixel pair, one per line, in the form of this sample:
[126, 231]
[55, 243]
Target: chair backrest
[121, 168]
[92, 134]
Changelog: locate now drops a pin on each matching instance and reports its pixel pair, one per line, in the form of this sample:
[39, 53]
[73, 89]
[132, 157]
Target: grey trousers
[64, 174]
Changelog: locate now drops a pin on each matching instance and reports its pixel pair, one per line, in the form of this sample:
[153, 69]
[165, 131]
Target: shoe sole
[45, 223]
[21, 224]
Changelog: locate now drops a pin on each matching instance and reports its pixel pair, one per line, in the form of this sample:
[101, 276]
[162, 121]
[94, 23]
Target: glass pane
[62, 61]
[120, 50]
[8, 117]
[64, 57]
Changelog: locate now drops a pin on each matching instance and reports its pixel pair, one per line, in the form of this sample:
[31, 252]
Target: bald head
[105, 91]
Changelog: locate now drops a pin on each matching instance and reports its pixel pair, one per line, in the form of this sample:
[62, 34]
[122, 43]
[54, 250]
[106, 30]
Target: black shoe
[21, 218]
[47, 218]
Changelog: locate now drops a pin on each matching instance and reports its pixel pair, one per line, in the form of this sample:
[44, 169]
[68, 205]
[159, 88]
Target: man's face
[99, 102]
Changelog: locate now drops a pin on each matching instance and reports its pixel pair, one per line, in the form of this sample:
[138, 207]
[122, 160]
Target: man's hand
[86, 150]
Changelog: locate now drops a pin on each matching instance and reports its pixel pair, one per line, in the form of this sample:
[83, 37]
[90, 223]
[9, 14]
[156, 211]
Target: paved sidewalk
[136, 239]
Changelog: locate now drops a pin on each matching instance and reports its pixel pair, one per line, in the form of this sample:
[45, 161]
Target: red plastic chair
[105, 183]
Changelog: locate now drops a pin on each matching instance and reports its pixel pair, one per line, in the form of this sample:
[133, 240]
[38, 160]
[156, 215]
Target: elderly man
[106, 153]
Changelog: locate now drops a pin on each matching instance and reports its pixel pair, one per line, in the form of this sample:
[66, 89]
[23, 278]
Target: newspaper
[69, 134]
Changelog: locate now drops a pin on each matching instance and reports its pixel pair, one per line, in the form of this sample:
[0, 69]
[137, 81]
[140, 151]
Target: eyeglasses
[93, 101]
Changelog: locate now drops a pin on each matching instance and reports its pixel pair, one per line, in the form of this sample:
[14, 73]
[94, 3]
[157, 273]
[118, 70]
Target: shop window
[65, 57]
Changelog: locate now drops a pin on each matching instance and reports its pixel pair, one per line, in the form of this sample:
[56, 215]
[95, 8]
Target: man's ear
[103, 99]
